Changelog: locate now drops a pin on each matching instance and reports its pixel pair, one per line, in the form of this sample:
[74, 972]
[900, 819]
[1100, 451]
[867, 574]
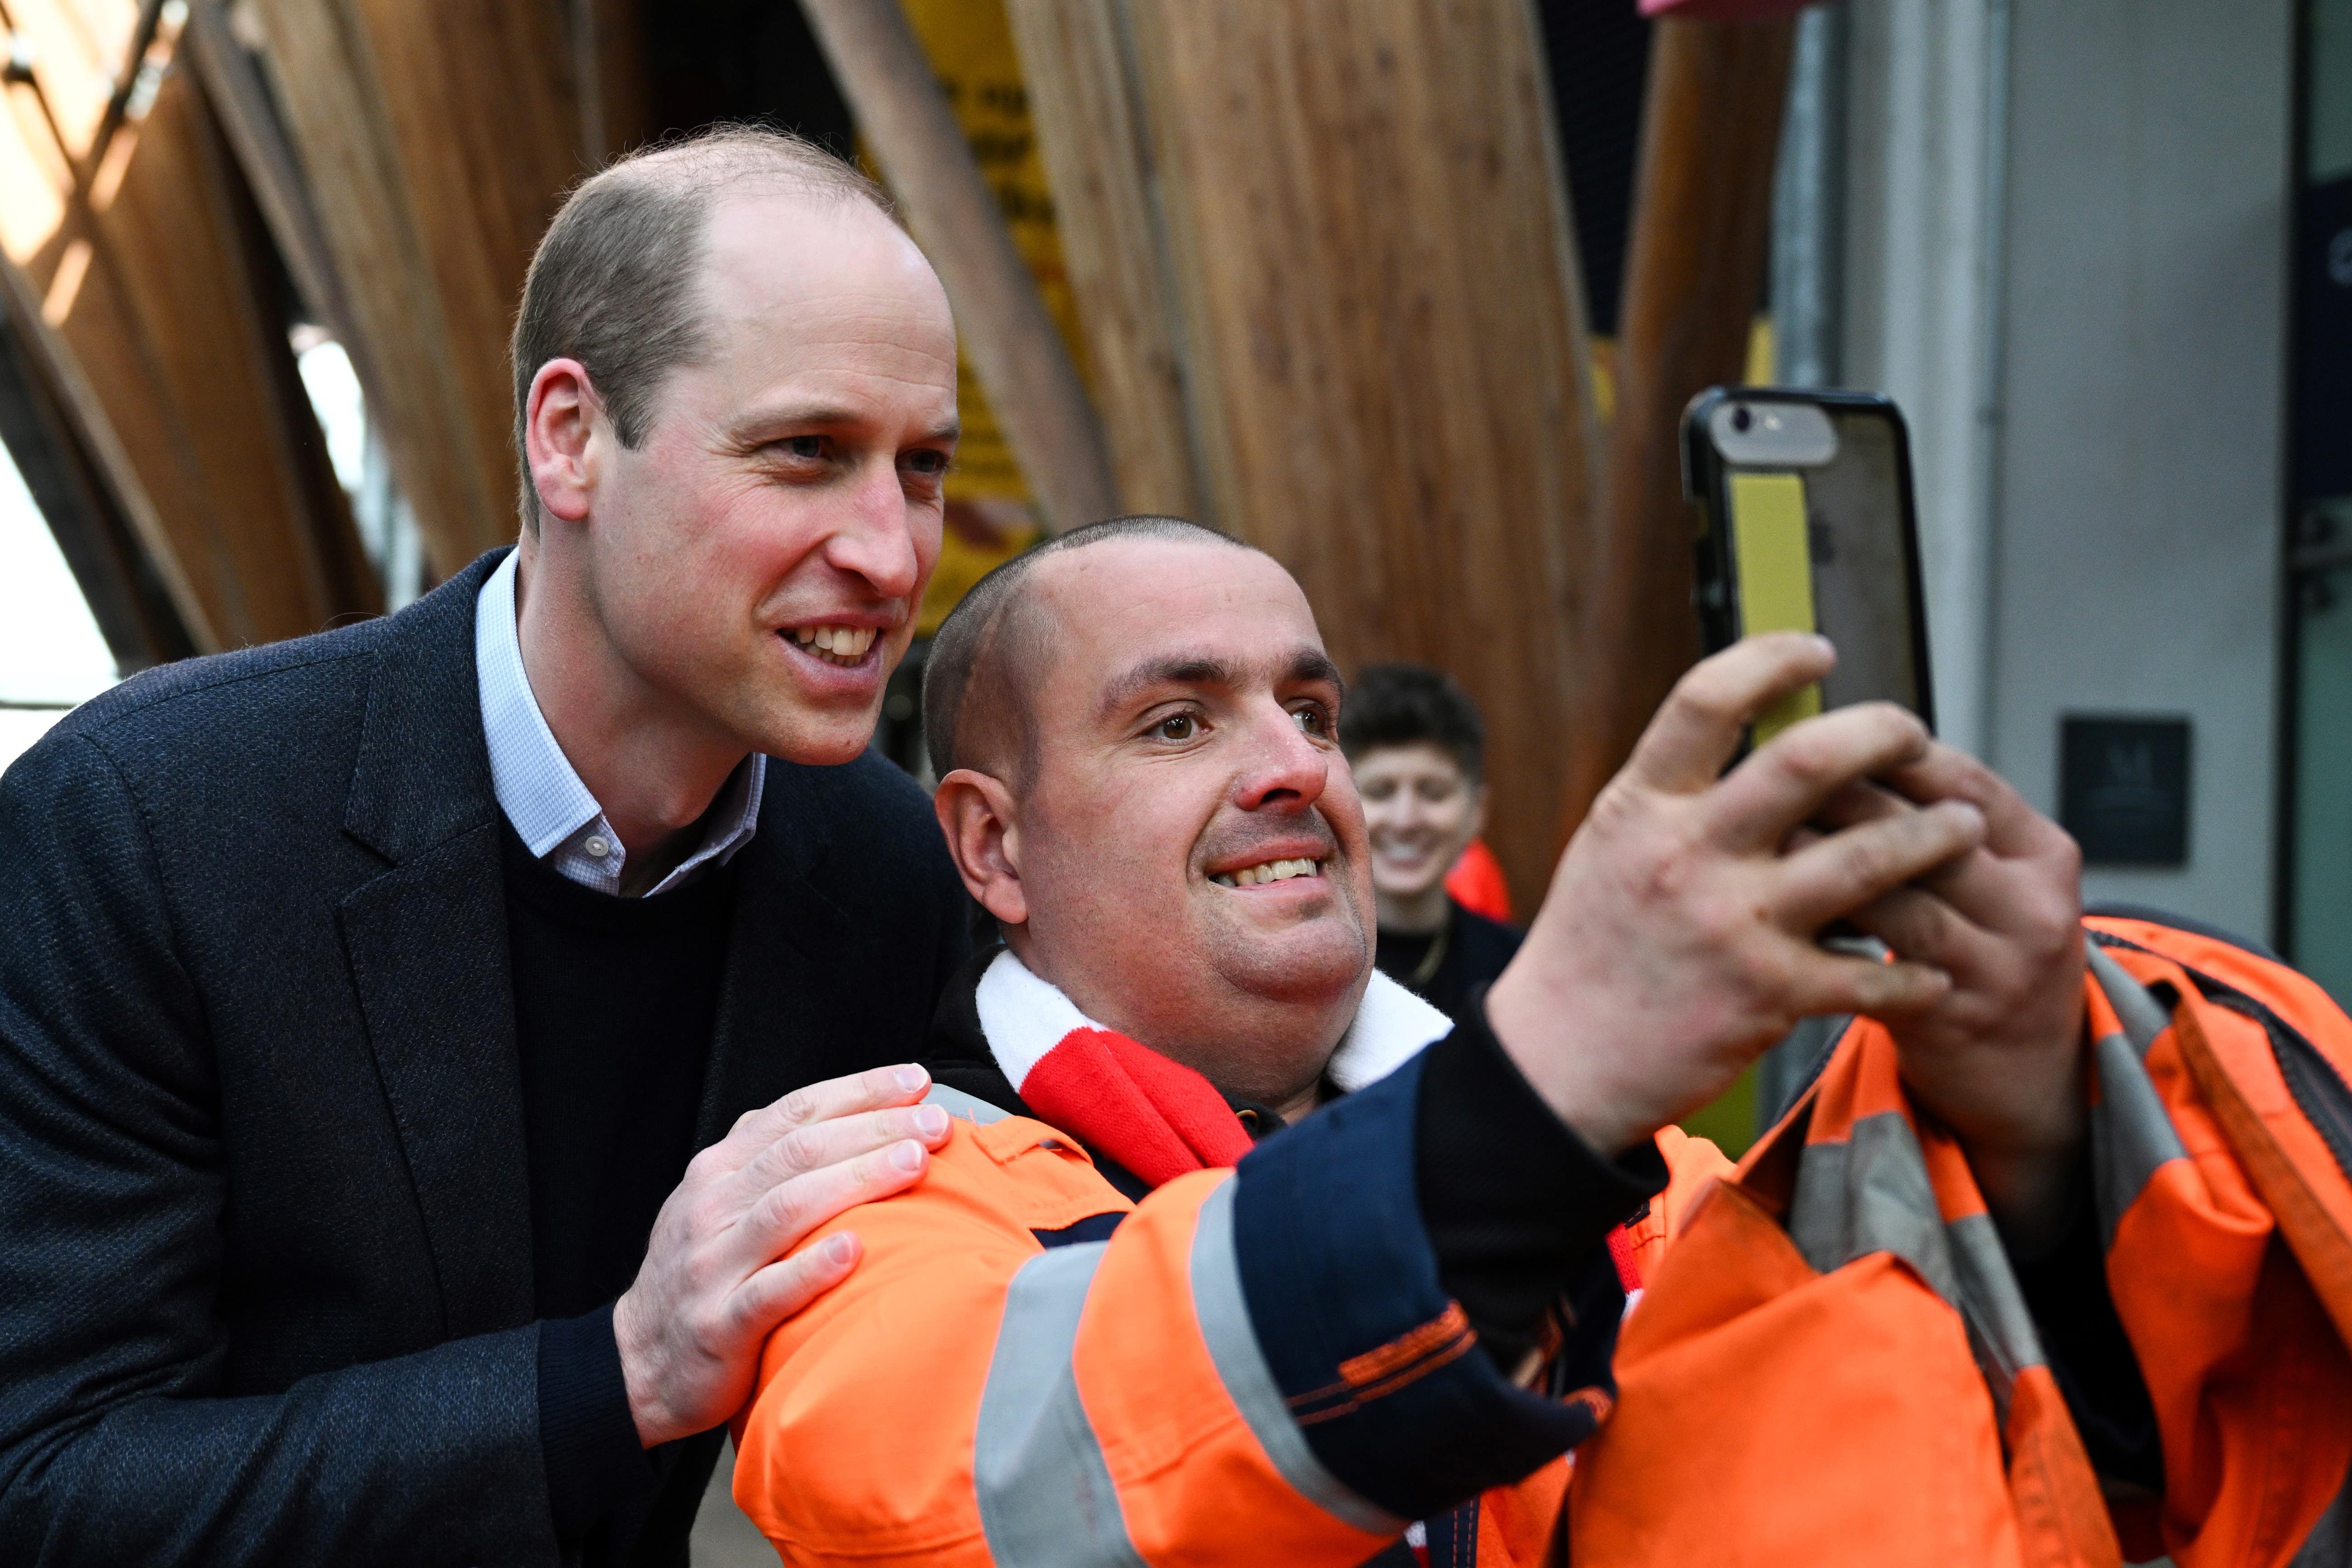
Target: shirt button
[598, 846]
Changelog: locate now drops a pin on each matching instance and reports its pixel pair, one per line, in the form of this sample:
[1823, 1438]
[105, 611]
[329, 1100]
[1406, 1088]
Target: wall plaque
[2123, 788]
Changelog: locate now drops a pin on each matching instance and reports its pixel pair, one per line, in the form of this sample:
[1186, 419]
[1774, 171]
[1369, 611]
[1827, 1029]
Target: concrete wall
[2067, 254]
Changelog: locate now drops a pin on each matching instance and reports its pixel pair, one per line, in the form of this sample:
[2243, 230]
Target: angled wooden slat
[55, 367]
[1385, 344]
[161, 291]
[153, 308]
[240, 100]
[436, 138]
[1080, 93]
[1694, 275]
[1006, 332]
[117, 575]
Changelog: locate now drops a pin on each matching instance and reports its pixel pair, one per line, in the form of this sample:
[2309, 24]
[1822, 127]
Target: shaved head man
[423, 1046]
[1267, 981]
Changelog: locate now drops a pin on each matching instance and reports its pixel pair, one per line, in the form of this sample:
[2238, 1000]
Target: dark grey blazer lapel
[427, 946]
[783, 954]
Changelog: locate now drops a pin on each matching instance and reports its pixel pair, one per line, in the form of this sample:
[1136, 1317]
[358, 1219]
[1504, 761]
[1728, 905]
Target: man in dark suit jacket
[350, 1092]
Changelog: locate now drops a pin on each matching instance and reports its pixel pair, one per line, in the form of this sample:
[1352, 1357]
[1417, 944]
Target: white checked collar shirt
[553, 812]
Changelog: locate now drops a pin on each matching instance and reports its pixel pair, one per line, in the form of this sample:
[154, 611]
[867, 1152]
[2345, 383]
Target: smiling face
[1186, 852]
[1422, 812]
[757, 560]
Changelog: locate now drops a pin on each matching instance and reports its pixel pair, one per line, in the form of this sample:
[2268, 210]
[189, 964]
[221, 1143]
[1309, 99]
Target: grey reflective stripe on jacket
[1870, 1194]
[971, 1107]
[2131, 1133]
[1046, 1499]
[1045, 1493]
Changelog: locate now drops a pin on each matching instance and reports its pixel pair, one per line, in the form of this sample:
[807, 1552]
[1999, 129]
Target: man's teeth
[836, 645]
[1271, 872]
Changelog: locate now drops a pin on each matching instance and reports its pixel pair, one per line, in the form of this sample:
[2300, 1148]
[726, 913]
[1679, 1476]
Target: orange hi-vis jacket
[1833, 1364]
[1249, 1365]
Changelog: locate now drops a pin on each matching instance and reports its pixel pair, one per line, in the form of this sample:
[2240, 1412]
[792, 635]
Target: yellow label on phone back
[1776, 577]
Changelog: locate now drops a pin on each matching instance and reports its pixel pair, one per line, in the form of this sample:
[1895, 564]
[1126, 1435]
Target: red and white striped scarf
[1157, 1117]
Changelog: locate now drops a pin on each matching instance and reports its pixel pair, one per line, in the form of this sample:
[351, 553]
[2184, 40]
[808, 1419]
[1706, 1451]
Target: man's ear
[560, 427]
[976, 812]
[1478, 810]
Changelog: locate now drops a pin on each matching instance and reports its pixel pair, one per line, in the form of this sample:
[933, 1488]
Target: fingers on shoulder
[797, 1205]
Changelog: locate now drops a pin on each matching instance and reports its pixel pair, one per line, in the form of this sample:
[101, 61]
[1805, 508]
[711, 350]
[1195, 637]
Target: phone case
[1775, 588]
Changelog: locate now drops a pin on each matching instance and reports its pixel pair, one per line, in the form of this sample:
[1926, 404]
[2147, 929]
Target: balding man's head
[737, 377]
[616, 280]
[1142, 780]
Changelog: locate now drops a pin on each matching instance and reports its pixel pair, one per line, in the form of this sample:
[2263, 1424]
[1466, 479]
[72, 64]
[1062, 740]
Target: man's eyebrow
[1314, 664]
[1175, 669]
[1307, 664]
[758, 423]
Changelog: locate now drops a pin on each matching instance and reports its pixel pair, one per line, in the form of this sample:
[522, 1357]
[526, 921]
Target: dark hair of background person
[1409, 704]
[615, 281]
[978, 636]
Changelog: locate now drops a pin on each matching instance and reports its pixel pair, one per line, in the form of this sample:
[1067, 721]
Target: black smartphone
[1807, 524]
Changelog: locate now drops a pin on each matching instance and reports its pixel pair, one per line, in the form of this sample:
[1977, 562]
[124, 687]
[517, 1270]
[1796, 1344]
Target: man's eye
[809, 447]
[1312, 719]
[1177, 726]
[931, 465]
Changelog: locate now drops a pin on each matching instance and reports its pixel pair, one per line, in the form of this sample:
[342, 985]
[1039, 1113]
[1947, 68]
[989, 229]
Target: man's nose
[875, 540]
[1284, 767]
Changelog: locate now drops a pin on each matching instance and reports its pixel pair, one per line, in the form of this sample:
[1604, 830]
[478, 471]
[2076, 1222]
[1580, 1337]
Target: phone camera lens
[1741, 419]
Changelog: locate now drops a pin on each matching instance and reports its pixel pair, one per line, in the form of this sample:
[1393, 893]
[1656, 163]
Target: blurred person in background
[1418, 750]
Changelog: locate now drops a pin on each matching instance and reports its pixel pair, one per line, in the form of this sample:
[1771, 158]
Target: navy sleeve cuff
[587, 1438]
[1516, 1204]
[1376, 1364]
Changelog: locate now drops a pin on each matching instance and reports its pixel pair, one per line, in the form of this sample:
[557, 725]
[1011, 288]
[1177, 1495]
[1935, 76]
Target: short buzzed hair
[984, 634]
[1412, 704]
[614, 282]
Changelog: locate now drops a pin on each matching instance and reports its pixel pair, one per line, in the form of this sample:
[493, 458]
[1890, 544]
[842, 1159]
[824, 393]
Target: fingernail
[907, 1156]
[930, 1121]
[838, 1247]
[911, 1079]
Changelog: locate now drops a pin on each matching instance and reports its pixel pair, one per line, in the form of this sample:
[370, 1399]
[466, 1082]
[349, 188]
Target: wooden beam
[60, 370]
[1090, 131]
[1384, 337]
[240, 99]
[436, 137]
[151, 304]
[60, 462]
[1693, 278]
[1008, 336]
[178, 325]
